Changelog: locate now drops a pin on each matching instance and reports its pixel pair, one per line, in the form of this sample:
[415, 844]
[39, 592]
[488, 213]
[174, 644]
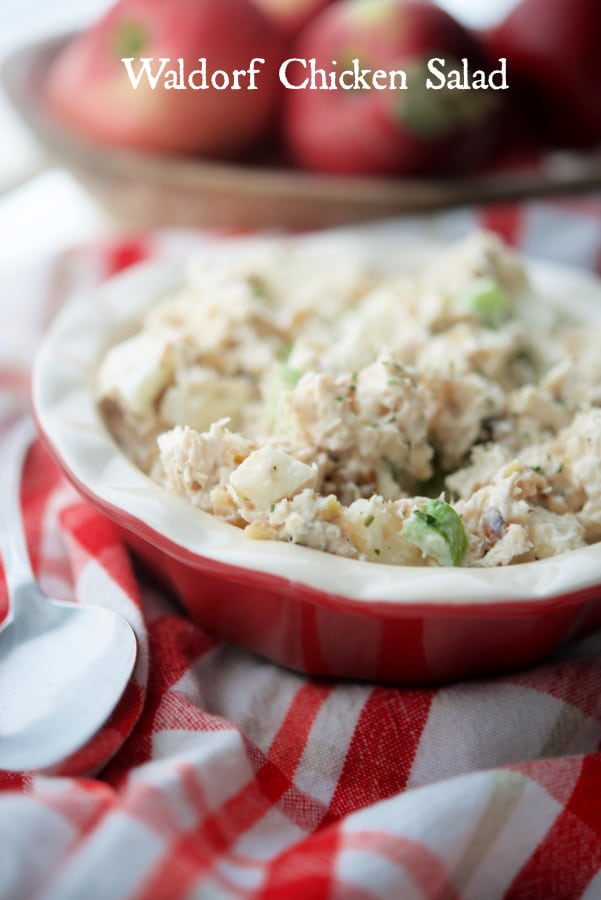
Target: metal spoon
[63, 667]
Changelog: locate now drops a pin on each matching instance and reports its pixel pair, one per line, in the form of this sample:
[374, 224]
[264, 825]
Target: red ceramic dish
[305, 609]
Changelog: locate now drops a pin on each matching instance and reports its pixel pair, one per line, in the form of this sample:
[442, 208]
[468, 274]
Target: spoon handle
[15, 557]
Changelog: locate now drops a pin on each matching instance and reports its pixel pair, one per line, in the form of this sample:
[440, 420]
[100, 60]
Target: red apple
[90, 90]
[388, 131]
[553, 52]
[291, 16]
[518, 145]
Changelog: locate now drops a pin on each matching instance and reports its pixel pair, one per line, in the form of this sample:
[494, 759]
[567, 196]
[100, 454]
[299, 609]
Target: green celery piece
[285, 376]
[437, 530]
[282, 378]
[488, 300]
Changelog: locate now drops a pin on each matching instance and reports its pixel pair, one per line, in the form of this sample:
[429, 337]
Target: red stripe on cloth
[195, 851]
[308, 869]
[577, 683]
[153, 805]
[83, 802]
[585, 800]
[102, 747]
[97, 538]
[291, 739]
[40, 479]
[570, 854]
[507, 220]
[126, 252]
[175, 645]
[423, 867]
[273, 777]
[192, 853]
[15, 781]
[382, 750]
[175, 712]
[193, 788]
[305, 871]
[12, 379]
[558, 775]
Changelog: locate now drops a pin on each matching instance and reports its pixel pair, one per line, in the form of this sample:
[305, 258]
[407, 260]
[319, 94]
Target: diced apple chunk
[202, 397]
[134, 373]
[269, 475]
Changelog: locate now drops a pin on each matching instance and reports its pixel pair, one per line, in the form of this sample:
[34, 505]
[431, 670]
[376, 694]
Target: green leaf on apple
[130, 38]
[371, 12]
[432, 114]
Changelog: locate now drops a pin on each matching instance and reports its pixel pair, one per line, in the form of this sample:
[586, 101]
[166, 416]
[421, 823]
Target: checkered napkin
[222, 776]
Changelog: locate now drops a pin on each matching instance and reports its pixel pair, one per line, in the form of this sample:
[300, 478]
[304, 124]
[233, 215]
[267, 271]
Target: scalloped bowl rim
[70, 424]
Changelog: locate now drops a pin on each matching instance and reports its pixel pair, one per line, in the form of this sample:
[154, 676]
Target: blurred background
[80, 146]
[24, 21]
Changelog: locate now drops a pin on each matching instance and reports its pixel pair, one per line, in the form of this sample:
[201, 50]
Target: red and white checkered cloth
[222, 776]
